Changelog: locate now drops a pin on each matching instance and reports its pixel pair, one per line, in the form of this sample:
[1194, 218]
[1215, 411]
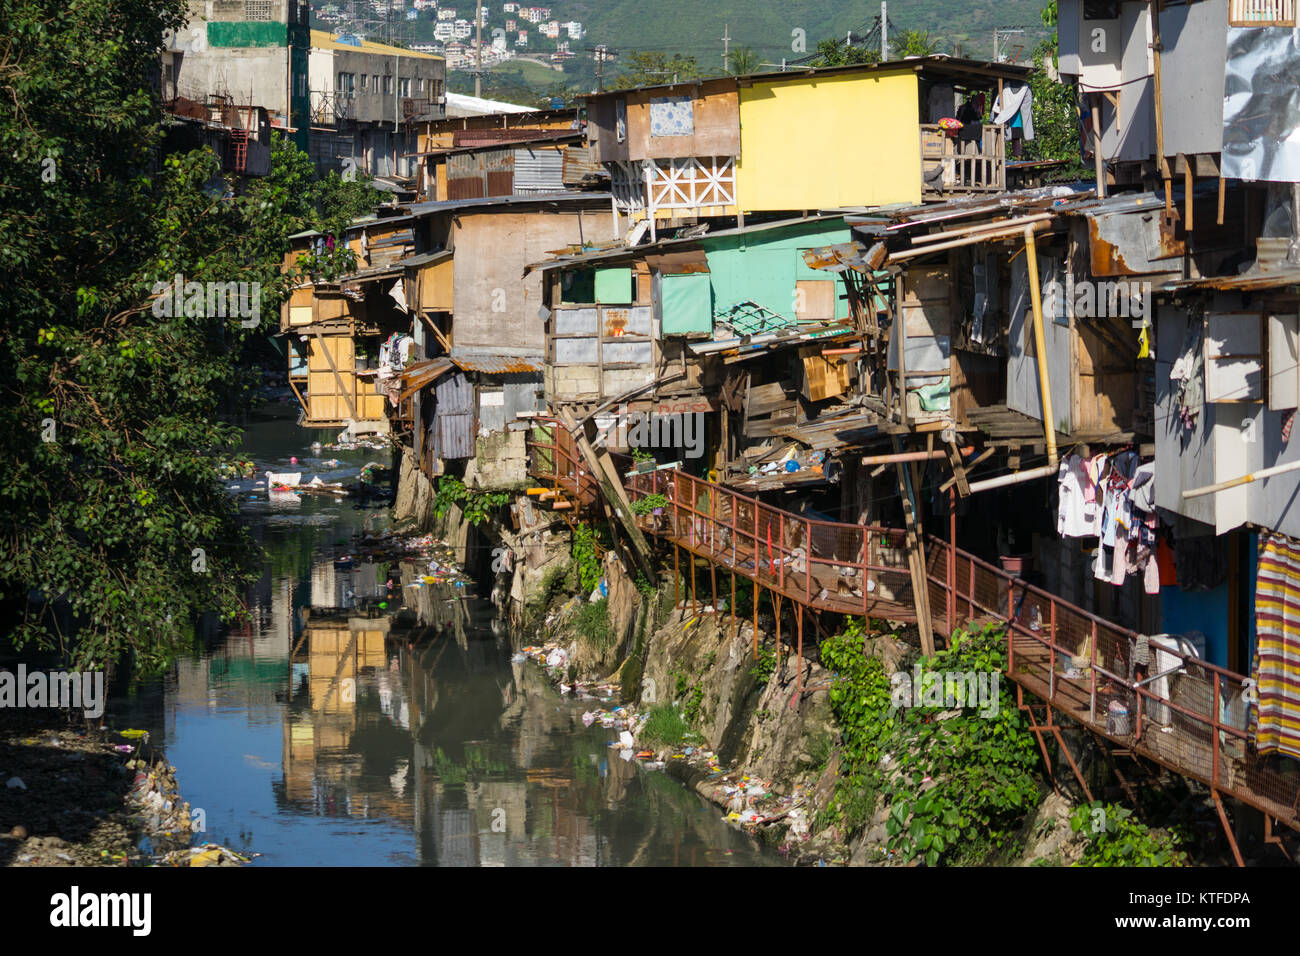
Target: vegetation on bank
[958, 788]
[111, 512]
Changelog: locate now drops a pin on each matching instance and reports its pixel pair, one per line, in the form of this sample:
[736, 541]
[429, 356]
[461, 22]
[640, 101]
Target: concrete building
[364, 98]
[253, 52]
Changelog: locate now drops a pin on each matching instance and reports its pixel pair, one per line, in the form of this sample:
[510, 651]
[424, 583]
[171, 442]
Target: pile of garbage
[206, 854]
[347, 442]
[397, 547]
[235, 468]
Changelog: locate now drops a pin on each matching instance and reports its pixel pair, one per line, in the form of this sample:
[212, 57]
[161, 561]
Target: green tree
[112, 412]
[835, 52]
[744, 61]
[654, 68]
[914, 43]
[1056, 117]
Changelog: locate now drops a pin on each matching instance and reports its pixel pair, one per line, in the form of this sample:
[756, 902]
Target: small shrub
[592, 625]
[665, 726]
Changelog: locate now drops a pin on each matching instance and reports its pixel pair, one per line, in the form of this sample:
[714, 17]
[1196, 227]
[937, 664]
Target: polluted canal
[374, 710]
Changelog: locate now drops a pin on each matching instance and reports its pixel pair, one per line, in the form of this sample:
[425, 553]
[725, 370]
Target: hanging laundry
[1076, 515]
[1015, 107]
[1277, 652]
[1143, 494]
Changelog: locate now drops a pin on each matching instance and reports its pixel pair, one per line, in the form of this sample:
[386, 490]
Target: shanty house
[866, 136]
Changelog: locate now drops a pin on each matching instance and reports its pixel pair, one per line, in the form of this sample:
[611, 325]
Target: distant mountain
[696, 27]
[775, 30]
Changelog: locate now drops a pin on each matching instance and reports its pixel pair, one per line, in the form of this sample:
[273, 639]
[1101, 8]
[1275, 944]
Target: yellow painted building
[829, 140]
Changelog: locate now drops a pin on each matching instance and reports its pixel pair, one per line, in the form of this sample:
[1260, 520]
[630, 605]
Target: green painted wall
[686, 304]
[614, 286]
[247, 33]
[763, 267]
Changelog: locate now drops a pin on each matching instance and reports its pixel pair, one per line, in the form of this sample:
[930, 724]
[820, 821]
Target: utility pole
[884, 32]
[478, 65]
[998, 34]
[726, 48]
[602, 53]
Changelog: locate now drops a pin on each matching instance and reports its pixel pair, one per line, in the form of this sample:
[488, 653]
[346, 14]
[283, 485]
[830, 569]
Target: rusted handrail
[784, 551]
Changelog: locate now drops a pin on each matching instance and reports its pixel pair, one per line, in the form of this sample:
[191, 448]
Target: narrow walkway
[1181, 717]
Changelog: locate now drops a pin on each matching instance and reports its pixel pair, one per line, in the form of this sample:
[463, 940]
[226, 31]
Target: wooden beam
[606, 475]
[969, 468]
[958, 470]
[915, 557]
[437, 332]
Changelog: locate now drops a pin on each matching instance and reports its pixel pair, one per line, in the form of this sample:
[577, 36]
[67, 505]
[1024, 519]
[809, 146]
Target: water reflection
[362, 716]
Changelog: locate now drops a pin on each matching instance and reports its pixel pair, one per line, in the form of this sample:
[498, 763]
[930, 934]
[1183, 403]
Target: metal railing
[848, 569]
[1184, 713]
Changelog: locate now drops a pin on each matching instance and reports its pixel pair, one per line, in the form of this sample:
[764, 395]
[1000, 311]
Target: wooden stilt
[713, 585]
[755, 595]
[691, 556]
[915, 557]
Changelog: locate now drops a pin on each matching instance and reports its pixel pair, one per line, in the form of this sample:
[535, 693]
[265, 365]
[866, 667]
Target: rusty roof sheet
[1249, 282]
[494, 364]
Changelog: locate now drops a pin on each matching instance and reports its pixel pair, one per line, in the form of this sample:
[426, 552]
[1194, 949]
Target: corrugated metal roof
[649, 247]
[425, 258]
[456, 205]
[936, 64]
[494, 364]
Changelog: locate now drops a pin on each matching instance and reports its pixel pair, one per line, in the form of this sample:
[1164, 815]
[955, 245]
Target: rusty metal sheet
[481, 175]
[1131, 243]
[845, 256]
[494, 364]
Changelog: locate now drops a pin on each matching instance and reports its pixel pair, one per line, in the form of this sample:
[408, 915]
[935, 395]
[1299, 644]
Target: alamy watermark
[62, 689]
[676, 430]
[951, 690]
[220, 300]
[1090, 299]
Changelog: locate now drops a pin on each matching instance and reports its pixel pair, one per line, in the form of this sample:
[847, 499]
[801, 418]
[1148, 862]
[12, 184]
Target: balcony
[950, 166]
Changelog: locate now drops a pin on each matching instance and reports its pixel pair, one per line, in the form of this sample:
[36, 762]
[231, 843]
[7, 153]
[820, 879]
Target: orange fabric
[1165, 562]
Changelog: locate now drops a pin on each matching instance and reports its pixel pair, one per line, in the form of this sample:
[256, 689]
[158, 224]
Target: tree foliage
[913, 43]
[836, 52]
[112, 411]
[650, 68]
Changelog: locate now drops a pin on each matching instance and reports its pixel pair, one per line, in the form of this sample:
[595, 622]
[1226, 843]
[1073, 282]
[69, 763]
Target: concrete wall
[494, 307]
[368, 106]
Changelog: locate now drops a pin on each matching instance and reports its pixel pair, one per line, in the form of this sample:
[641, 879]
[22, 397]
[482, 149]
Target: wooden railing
[968, 167]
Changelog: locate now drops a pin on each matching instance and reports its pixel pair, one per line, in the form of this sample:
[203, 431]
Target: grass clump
[665, 726]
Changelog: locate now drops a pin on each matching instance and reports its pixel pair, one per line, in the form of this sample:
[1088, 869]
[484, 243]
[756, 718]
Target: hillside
[773, 29]
[696, 27]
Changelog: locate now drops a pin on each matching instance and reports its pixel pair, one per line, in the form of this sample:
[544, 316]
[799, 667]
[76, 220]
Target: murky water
[332, 731]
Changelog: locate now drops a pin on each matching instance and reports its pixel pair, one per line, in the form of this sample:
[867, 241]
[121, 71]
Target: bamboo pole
[1009, 232]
